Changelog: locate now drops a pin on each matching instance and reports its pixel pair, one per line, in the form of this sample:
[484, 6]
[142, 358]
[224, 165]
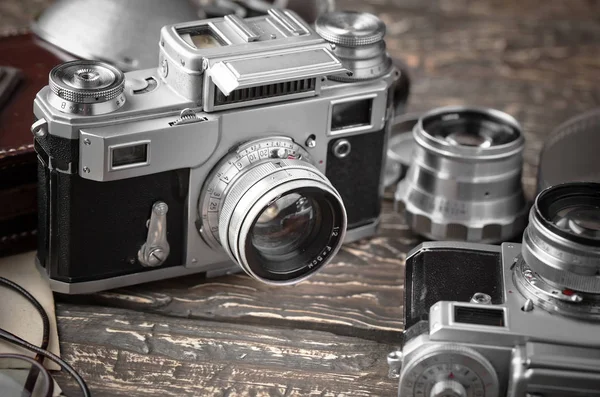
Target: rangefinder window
[130, 155]
[351, 114]
[202, 37]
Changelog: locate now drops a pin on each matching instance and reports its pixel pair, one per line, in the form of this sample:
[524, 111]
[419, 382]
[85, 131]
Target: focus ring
[240, 188]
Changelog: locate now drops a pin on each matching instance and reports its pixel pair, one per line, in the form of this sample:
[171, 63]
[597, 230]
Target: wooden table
[538, 60]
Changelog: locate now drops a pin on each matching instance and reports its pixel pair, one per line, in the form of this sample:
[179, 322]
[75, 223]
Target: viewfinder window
[129, 155]
[201, 37]
[351, 114]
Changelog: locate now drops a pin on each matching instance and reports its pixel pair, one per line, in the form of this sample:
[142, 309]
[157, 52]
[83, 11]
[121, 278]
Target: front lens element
[284, 229]
[581, 220]
[470, 128]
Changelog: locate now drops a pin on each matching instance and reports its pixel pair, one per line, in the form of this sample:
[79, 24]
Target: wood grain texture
[538, 60]
[125, 353]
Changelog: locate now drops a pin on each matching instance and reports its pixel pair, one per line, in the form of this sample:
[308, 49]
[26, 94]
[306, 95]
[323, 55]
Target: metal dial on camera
[448, 371]
[357, 38]
[86, 88]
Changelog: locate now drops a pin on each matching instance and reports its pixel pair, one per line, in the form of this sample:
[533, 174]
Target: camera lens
[272, 211]
[284, 229]
[562, 241]
[464, 181]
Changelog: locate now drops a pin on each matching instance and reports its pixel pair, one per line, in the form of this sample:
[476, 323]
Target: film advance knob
[86, 87]
[350, 29]
[357, 40]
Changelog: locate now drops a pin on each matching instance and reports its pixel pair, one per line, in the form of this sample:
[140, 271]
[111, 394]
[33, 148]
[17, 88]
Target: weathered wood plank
[125, 353]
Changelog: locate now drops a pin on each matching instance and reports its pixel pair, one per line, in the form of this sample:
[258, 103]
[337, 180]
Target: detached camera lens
[464, 182]
[562, 241]
[273, 212]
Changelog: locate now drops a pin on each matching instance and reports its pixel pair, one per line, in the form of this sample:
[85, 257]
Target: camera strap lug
[155, 251]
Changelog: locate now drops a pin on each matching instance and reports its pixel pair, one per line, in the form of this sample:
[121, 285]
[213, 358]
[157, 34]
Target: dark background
[538, 60]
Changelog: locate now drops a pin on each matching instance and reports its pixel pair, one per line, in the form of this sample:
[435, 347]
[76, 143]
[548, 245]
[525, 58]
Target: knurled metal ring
[108, 90]
[350, 29]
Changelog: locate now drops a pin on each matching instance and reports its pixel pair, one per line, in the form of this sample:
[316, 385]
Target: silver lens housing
[561, 259]
[250, 179]
[86, 88]
[454, 191]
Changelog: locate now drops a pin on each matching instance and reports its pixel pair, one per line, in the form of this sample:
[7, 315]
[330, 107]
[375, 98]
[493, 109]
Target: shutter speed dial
[447, 370]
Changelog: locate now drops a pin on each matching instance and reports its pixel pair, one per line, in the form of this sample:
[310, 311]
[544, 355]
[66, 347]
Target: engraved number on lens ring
[341, 148]
[442, 363]
[231, 167]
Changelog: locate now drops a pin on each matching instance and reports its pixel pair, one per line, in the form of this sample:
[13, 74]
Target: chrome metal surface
[429, 369]
[122, 32]
[86, 87]
[448, 388]
[309, 10]
[554, 246]
[350, 29]
[39, 128]
[562, 301]
[341, 148]
[481, 298]
[357, 39]
[394, 360]
[456, 191]
[155, 251]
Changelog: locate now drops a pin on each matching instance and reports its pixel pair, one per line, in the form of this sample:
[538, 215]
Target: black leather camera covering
[357, 177]
[449, 274]
[91, 230]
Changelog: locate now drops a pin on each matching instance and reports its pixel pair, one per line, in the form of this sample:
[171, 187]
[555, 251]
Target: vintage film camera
[255, 144]
[512, 320]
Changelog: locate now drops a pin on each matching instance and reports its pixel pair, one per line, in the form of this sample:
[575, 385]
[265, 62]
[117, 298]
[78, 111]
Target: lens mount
[562, 241]
[278, 217]
[464, 181]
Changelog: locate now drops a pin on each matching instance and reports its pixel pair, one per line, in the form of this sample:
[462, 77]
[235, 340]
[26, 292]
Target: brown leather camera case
[18, 163]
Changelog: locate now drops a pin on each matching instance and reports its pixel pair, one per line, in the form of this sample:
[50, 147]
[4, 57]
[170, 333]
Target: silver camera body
[498, 343]
[138, 171]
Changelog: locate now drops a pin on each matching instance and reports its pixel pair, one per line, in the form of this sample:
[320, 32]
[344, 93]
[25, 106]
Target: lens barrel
[562, 241]
[273, 212]
[464, 182]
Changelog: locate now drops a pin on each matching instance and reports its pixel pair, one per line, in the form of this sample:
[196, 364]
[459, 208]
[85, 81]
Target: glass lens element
[580, 219]
[284, 229]
[470, 129]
